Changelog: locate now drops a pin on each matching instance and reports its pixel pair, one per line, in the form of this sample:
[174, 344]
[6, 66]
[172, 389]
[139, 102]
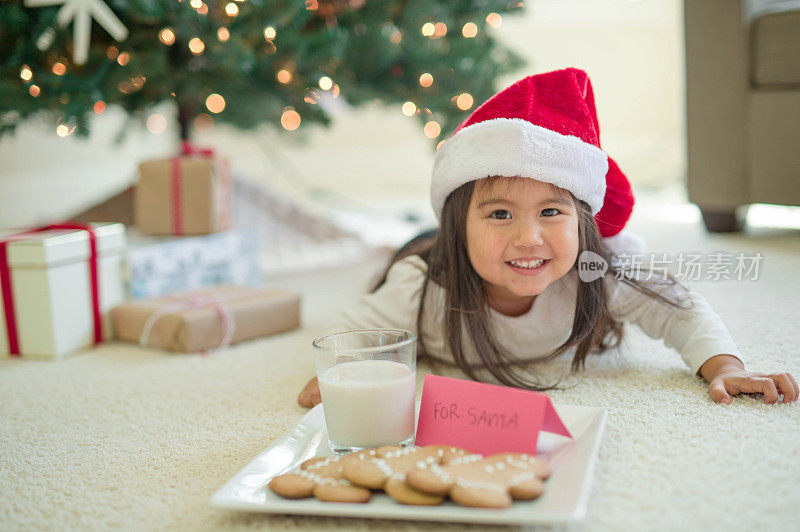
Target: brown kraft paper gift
[255, 312]
[203, 198]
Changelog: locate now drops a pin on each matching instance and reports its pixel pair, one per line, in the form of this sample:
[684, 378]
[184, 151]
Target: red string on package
[193, 300]
[187, 148]
[8, 293]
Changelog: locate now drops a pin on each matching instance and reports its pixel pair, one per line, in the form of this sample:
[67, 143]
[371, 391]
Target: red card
[484, 418]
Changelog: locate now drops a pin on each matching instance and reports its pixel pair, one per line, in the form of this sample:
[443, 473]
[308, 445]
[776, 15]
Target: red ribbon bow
[8, 294]
[187, 148]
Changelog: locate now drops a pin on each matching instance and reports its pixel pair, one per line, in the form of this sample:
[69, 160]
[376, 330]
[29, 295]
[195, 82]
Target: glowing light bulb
[270, 33]
[167, 36]
[99, 107]
[34, 90]
[440, 29]
[59, 69]
[409, 108]
[156, 124]
[123, 58]
[427, 29]
[62, 130]
[25, 73]
[426, 80]
[204, 122]
[325, 83]
[432, 129]
[464, 101]
[494, 20]
[284, 76]
[469, 30]
[290, 120]
[196, 46]
[231, 9]
[215, 103]
[223, 34]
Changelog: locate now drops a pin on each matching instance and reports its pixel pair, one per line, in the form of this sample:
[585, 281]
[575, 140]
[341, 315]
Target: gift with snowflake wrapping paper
[166, 265]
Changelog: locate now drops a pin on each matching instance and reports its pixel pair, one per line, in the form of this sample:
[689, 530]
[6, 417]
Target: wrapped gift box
[201, 320]
[50, 284]
[167, 265]
[185, 195]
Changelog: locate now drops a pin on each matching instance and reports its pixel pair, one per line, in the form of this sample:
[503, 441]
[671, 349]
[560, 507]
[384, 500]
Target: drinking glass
[367, 379]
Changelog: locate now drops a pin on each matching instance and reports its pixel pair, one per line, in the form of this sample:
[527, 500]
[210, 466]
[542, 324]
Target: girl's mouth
[528, 267]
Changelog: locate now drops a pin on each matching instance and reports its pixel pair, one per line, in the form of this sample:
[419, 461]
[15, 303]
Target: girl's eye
[551, 209]
[501, 215]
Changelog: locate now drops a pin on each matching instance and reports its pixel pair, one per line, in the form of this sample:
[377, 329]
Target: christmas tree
[248, 62]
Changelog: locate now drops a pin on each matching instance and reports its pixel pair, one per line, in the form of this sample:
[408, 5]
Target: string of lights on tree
[247, 62]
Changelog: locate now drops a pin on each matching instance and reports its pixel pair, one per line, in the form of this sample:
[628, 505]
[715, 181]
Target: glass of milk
[368, 382]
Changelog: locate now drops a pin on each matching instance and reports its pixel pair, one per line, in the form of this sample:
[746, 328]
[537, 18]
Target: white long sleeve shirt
[697, 333]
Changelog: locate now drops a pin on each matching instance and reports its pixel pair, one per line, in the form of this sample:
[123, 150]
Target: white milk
[368, 403]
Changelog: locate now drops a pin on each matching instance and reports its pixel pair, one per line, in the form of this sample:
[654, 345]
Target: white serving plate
[564, 500]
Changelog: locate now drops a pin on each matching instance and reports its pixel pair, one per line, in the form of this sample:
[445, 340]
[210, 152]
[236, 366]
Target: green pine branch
[354, 43]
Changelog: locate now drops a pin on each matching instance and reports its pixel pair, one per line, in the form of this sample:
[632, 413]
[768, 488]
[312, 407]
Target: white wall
[632, 50]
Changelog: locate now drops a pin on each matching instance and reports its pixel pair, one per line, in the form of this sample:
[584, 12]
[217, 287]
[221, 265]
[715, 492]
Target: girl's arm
[726, 376]
[703, 341]
[697, 333]
[716, 364]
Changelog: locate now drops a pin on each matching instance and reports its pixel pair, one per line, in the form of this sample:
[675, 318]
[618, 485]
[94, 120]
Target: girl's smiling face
[512, 224]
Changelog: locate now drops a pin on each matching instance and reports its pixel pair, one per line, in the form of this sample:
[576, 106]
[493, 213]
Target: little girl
[524, 195]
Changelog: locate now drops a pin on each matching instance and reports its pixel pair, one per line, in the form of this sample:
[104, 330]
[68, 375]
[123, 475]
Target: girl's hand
[309, 396]
[732, 381]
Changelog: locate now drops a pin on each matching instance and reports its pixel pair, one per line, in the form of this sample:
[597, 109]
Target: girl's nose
[529, 233]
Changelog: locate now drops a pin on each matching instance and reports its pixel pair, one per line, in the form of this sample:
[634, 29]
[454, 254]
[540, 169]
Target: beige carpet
[126, 438]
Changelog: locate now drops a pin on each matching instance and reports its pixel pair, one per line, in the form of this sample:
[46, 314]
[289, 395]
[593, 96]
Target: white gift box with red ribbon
[62, 283]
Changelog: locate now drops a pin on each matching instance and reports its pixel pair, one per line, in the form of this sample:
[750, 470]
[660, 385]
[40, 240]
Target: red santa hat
[543, 127]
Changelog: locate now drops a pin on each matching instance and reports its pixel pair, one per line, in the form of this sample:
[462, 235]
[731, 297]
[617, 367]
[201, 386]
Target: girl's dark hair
[593, 330]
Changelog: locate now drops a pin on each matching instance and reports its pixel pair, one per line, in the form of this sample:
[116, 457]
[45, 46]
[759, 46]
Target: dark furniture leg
[722, 221]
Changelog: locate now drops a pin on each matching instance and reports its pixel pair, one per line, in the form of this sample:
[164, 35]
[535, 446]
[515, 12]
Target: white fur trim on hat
[515, 147]
[626, 242]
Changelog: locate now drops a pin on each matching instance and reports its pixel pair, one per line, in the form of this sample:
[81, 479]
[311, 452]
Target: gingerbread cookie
[387, 470]
[322, 478]
[490, 482]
